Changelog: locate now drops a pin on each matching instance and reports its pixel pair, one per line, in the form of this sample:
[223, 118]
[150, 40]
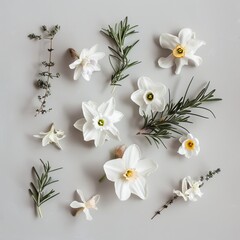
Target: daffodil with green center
[190, 189]
[190, 146]
[129, 173]
[52, 136]
[183, 49]
[85, 205]
[149, 96]
[87, 63]
[98, 122]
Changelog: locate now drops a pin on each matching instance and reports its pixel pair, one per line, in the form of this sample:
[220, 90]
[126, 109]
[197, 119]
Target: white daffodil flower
[190, 189]
[87, 63]
[129, 173]
[183, 49]
[149, 96]
[85, 205]
[98, 122]
[53, 136]
[190, 146]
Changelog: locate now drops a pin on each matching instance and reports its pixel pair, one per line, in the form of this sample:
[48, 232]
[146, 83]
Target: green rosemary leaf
[118, 35]
[38, 192]
[163, 125]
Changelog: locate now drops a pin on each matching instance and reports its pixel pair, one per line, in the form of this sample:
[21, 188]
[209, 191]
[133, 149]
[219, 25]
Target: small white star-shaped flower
[53, 136]
[85, 205]
[87, 63]
[190, 189]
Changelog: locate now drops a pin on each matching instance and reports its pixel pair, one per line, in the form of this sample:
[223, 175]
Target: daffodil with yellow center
[129, 173]
[190, 146]
[183, 47]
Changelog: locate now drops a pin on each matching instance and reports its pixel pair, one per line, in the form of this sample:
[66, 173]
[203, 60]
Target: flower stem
[102, 178]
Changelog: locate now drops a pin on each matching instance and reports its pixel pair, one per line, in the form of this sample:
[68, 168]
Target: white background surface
[215, 216]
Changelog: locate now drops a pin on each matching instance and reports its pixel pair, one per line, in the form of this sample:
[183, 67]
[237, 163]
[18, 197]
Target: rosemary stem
[39, 211]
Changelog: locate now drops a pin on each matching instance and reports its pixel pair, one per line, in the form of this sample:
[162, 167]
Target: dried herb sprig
[45, 76]
[37, 189]
[203, 179]
[162, 125]
[119, 56]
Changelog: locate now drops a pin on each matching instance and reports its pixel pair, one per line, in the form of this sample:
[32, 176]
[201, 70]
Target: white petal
[166, 62]
[138, 187]
[184, 185]
[131, 156]
[38, 136]
[77, 72]
[122, 189]
[137, 97]
[87, 213]
[180, 62]
[93, 201]
[168, 41]
[89, 132]
[145, 83]
[194, 60]
[193, 45]
[182, 139]
[57, 143]
[45, 141]
[107, 108]
[146, 166]
[89, 110]
[113, 133]
[114, 169]
[116, 116]
[185, 35]
[79, 124]
[181, 150]
[180, 194]
[76, 204]
[80, 193]
[86, 75]
[100, 138]
[84, 53]
[97, 56]
[74, 64]
[93, 49]
[158, 104]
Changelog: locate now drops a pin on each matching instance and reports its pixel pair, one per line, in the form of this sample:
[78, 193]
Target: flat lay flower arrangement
[162, 116]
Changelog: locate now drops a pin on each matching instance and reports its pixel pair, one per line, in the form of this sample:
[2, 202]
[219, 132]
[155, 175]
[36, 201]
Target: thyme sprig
[37, 189]
[45, 76]
[163, 125]
[203, 179]
[119, 57]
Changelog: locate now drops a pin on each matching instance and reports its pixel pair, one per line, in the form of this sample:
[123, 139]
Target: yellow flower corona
[178, 51]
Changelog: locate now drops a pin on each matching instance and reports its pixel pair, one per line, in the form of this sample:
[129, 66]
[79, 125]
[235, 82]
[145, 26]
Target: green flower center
[150, 96]
[100, 122]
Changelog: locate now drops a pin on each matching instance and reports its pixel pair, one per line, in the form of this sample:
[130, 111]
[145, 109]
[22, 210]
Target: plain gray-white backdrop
[214, 217]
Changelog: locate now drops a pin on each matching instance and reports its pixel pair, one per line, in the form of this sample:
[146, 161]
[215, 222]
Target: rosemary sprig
[119, 56]
[45, 76]
[203, 179]
[37, 189]
[159, 126]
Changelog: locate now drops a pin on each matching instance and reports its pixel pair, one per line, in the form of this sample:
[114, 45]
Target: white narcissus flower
[98, 122]
[190, 146]
[53, 136]
[86, 205]
[190, 189]
[87, 63]
[183, 49]
[149, 96]
[129, 173]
